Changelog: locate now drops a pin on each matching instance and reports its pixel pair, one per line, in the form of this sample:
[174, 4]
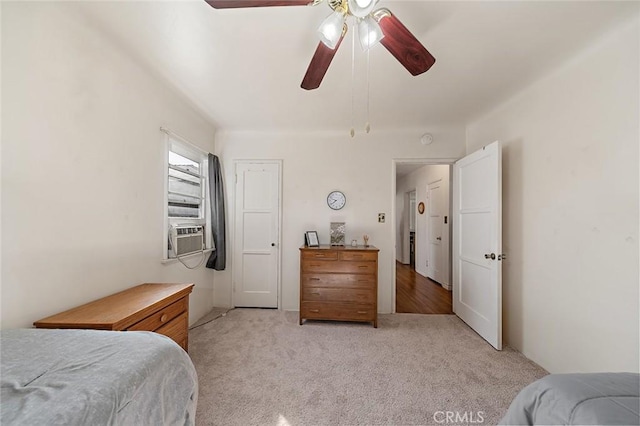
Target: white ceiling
[243, 67]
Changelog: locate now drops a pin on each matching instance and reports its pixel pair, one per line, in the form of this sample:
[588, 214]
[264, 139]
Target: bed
[578, 399]
[82, 377]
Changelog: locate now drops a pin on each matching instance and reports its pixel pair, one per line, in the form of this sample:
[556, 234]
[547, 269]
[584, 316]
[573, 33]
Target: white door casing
[256, 243]
[477, 242]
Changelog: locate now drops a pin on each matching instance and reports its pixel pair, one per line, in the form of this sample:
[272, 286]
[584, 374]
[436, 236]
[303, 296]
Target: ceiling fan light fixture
[331, 28]
[370, 32]
[361, 8]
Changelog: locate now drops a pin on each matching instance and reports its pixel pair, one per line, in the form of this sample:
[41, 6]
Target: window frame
[181, 146]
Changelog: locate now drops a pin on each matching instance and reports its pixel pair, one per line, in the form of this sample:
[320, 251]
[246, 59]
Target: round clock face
[336, 200]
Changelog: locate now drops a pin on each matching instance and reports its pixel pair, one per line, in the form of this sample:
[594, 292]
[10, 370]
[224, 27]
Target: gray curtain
[217, 259]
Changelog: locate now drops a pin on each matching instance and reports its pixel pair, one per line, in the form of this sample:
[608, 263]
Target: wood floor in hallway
[419, 295]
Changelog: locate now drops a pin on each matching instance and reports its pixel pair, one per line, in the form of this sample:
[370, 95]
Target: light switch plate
[381, 217]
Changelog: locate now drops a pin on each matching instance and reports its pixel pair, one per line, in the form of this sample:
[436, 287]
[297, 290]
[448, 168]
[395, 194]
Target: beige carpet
[259, 367]
[213, 314]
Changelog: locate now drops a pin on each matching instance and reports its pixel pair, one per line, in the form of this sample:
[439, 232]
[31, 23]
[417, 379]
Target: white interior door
[256, 260]
[477, 242]
[436, 198]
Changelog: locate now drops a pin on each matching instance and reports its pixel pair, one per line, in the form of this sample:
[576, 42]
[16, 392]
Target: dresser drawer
[176, 329]
[145, 307]
[338, 311]
[337, 295]
[339, 281]
[359, 255]
[162, 317]
[339, 266]
[320, 254]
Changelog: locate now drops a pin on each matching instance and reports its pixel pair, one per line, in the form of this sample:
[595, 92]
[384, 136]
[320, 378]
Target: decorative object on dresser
[337, 233]
[311, 239]
[162, 308]
[339, 283]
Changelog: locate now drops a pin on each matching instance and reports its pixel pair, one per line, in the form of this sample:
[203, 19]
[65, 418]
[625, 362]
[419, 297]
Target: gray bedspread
[578, 399]
[90, 377]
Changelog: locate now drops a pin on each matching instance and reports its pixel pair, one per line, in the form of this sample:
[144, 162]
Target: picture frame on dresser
[311, 239]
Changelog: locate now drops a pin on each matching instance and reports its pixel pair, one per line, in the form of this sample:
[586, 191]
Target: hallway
[419, 295]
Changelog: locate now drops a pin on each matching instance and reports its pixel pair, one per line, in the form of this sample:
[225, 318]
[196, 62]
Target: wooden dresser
[163, 308]
[339, 283]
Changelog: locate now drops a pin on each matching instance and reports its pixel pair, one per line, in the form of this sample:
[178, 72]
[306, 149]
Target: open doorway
[423, 235]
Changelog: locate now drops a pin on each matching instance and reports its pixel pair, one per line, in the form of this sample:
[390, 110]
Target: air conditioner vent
[187, 239]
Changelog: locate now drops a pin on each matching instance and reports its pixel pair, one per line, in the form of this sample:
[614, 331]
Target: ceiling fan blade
[402, 44]
[320, 64]
[230, 4]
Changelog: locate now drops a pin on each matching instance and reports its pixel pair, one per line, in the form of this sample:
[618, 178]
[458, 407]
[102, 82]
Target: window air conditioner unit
[187, 239]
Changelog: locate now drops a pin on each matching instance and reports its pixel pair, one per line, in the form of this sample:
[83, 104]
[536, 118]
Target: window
[187, 193]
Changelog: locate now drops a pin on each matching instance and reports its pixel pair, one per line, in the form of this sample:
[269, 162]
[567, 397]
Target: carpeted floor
[213, 314]
[259, 367]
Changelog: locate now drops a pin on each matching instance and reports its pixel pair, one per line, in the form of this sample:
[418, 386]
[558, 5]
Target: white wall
[0, 167]
[316, 163]
[419, 180]
[82, 166]
[570, 196]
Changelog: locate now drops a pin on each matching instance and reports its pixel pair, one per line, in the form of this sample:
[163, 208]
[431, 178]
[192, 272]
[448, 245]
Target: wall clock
[336, 200]
[421, 207]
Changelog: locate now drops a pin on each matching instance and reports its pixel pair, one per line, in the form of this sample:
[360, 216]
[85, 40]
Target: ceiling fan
[373, 27]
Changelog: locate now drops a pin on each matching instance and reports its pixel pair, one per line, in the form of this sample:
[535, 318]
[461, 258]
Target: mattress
[82, 377]
[578, 399]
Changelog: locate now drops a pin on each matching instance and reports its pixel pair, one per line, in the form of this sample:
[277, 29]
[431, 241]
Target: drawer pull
[363, 266]
[314, 279]
[315, 311]
[362, 312]
[358, 256]
[316, 293]
[319, 255]
[163, 318]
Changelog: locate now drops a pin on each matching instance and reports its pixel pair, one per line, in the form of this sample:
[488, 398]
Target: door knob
[439, 238]
[491, 256]
[273, 244]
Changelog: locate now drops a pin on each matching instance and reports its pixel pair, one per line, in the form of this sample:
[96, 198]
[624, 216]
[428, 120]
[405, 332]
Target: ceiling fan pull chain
[367, 127]
[352, 132]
